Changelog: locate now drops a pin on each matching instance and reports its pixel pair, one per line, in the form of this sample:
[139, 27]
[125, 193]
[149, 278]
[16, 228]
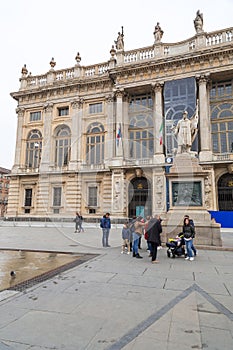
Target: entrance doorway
[225, 192]
[139, 197]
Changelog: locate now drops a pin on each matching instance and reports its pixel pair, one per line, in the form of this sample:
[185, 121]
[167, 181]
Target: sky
[34, 31]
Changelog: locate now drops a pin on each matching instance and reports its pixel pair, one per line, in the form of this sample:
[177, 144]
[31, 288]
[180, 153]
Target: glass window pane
[223, 143]
[215, 143]
[222, 126]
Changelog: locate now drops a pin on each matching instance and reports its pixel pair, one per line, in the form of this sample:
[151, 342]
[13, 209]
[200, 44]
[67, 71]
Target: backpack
[131, 226]
[191, 222]
[102, 222]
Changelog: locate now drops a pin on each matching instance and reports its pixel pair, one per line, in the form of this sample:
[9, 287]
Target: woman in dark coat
[189, 233]
[154, 230]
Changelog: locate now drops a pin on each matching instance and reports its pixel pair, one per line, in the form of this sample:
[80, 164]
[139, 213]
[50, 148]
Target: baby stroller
[176, 246]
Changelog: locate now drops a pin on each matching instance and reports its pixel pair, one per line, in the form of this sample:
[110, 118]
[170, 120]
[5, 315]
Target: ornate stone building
[4, 190]
[99, 138]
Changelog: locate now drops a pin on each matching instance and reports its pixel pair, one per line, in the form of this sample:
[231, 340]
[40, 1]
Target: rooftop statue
[158, 33]
[198, 22]
[120, 40]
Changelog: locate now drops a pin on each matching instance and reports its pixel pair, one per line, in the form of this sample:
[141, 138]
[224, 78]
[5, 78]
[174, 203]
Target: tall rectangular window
[28, 197]
[92, 196]
[35, 116]
[57, 196]
[95, 108]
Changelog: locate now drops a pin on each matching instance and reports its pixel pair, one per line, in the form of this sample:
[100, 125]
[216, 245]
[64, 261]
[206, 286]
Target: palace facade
[99, 138]
[4, 189]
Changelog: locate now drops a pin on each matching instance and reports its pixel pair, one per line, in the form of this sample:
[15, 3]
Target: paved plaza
[113, 301]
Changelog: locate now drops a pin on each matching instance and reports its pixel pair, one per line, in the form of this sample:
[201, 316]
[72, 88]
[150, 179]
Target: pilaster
[76, 133]
[46, 157]
[118, 193]
[204, 120]
[110, 137]
[18, 146]
[119, 121]
[158, 122]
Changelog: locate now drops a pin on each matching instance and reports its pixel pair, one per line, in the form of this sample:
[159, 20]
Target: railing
[92, 166]
[158, 51]
[223, 156]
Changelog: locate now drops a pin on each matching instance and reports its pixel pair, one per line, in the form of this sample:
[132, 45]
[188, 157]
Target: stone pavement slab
[114, 301]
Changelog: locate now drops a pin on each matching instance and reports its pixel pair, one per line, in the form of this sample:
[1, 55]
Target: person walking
[105, 224]
[154, 230]
[138, 231]
[189, 233]
[78, 223]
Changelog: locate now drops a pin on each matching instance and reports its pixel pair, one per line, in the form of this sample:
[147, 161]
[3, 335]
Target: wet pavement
[113, 301]
[19, 267]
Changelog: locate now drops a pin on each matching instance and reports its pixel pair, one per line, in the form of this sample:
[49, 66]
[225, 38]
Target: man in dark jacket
[105, 224]
[154, 230]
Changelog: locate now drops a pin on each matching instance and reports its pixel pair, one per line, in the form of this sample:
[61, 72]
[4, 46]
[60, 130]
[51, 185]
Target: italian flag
[161, 134]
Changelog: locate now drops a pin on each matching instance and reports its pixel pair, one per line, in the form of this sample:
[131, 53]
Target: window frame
[63, 111]
[35, 116]
[95, 108]
[57, 196]
[62, 146]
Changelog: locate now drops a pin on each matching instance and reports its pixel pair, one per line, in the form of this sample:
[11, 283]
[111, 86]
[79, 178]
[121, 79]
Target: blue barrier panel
[225, 218]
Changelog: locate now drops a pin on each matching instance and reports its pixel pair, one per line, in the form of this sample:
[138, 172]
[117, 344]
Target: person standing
[146, 235]
[192, 224]
[154, 230]
[105, 224]
[125, 238]
[138, 231]
[189, 233]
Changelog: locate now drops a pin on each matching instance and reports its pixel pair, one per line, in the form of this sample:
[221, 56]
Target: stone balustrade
[157, 51]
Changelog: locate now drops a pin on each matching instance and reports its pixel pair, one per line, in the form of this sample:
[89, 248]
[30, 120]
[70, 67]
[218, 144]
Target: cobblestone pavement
[115, 301]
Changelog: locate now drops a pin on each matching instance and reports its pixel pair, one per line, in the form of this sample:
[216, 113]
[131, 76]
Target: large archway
[225, 192]
[139, 195]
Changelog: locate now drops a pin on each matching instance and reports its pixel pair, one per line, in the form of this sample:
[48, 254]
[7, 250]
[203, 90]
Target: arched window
[33, 149]
[95, 144]
[62, 146]
[222, 127]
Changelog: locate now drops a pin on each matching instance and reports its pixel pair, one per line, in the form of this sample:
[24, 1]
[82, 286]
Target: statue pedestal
[187, 197]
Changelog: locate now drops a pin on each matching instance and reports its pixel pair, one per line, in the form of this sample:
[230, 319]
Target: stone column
[158, 123]
[110, 135]
[119, 121]
[46, 156]
[18, 146]
[76, 133]
[204, 121]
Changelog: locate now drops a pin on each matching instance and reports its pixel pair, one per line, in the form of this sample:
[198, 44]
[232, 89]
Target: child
[125, 238]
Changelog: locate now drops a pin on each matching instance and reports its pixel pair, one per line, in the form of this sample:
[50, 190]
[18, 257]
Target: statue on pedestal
[186, 131]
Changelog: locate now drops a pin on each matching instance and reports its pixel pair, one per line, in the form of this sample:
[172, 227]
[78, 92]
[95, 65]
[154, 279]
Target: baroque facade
[4, 190]
[99, 138]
